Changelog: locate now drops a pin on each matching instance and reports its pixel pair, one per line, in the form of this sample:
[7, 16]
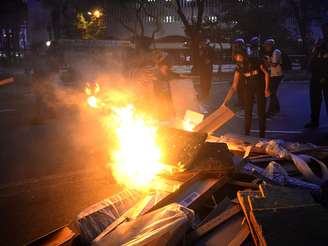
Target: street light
[97, 13]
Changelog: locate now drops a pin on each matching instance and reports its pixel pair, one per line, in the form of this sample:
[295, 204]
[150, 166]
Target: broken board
[180, 147]
[195, 191]
[283, 216]
[215, 121]
[184, 96]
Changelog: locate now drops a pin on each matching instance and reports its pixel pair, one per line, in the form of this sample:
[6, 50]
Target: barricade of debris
[235, 191]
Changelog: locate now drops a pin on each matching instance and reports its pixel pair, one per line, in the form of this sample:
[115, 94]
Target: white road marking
[7, 110]
[283, 132]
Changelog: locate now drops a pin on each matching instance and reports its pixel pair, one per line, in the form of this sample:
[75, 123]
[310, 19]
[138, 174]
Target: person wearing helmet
[254, 47]
[273, 58]
[319, 80]
[257, 79]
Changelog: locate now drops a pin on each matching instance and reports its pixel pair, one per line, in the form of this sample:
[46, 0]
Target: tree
[305, 12]
[92, 27]
[193, 28]
[135, 12]
[249, 18]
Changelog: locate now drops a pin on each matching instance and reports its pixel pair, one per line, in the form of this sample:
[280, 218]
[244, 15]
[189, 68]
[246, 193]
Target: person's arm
[233, 88]
[267, 81]
[314, 54]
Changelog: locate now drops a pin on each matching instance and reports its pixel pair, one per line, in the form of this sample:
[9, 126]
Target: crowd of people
[258, 75]
[259, 72]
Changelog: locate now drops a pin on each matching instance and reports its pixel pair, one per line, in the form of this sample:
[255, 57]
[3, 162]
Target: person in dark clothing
[273, 58]
[206, 72]
[162, 90]
[257, 82]
[239, 44]
[254, 48]
[319, 80]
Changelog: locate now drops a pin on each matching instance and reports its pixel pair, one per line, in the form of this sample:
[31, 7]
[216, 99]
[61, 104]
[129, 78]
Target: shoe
[311, 125]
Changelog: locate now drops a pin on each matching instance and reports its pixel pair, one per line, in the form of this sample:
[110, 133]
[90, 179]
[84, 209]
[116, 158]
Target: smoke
[124, 78]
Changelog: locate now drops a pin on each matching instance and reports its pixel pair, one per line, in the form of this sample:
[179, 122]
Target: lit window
[213, 18]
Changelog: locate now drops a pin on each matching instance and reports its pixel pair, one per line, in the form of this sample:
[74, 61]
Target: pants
[316, 91]
[205, 86]
[254, 89]
[240, 93]
[274, 105]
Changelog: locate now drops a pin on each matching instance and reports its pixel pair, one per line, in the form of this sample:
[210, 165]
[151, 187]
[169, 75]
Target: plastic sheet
[165, 226]
[138, 209]
[260, 146]
[275, 173]
[94, 219]
[279, 149]
[282, 150]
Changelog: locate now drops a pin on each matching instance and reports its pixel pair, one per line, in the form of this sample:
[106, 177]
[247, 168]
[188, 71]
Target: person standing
[257, 80]
[239, 44]
[319, 80]
[274, 62]
[205, 73]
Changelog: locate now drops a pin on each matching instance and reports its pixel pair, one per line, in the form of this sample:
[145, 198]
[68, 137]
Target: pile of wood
[254, 193]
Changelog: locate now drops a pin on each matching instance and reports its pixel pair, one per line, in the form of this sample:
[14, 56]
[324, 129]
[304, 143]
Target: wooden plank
[215, 121]
[274, 197]
[296, 226]
[279, 213]
[60, 236]
[241, 236]
[195, 191]
[222, 234]
[223, 217]
[217, 210]
[242, 197]
[180, 147]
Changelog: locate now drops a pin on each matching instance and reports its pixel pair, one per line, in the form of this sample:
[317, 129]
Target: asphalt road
[50, 172]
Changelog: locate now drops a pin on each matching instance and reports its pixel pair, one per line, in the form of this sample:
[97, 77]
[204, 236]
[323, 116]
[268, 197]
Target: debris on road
[231, 189]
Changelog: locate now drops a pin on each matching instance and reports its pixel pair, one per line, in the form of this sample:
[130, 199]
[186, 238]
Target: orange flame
[137, 161]
[92, 99]
[136, 158]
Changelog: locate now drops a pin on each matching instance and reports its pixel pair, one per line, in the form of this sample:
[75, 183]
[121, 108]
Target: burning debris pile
[191, 188]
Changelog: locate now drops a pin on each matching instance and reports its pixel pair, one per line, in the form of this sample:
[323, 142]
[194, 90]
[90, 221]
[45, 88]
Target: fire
[135, 155]
[187, 125]
[92, 100]
[191, 120]
[137, 161]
